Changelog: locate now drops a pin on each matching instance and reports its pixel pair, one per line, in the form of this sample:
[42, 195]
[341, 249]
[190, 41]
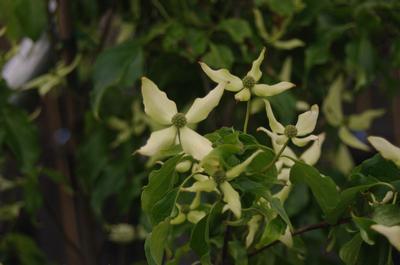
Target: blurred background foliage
[69, 185]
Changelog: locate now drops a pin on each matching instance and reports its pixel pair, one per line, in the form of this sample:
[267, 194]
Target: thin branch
[227, 235]
[303, 230]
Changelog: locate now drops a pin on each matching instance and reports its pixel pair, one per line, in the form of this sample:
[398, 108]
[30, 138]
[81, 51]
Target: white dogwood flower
[164, 111]
[248, 85]
[386, 149]
[219, 181]
[305, 125]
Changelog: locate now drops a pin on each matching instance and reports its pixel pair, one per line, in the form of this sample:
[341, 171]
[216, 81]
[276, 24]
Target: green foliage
[14, 14]
[20, 249]
[119, 66]
[160, 182]
[322, 187]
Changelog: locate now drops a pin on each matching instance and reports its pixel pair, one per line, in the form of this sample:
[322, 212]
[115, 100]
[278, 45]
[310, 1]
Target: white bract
[332, 108]
[392, 233]
[305, 125]
[248, 85]
[386, 149]
[220, 179]
[164, 111]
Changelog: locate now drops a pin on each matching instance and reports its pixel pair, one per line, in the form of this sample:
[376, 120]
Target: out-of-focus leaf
[119, 66]
[219, 56]
[349, 251]
[19, 24]
[237, 28]
[21, 249]
[282, 7]
[319, 53]
[21, 136]
[10, 211]
[33, 196]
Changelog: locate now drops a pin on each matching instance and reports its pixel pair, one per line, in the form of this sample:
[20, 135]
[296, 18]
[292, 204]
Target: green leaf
[238, 29]
[21, 249]
[272, 232]
[164, 207]
[111, 181]
[160, 183]
[349, 251]
[364, 224]
[319, 51]
[238, 252]
[156, 243]
[119, 66]
[380, 168]
[19, 24]
[200, 237]
[11, 211]
[322, 187]
[219, 56]
[282, 7]
[388, 215]
[21, 137]
[33, 196]
[346, 198]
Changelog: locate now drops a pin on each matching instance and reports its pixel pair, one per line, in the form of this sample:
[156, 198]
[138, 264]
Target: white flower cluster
[164, 111]
[178, 131]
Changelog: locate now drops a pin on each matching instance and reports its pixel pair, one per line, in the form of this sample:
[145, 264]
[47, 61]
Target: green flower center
[185, 209]
[290, 131]
[179, 120]
[219, 176]
[248, 82]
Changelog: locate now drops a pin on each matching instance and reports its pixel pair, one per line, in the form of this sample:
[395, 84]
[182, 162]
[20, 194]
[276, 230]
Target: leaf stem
[277, 156]
[303, 230]
[246, 119]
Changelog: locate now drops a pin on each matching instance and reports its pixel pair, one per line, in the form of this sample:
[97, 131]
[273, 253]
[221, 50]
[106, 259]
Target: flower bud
[243, 95]
[184, 166]
[122, 233]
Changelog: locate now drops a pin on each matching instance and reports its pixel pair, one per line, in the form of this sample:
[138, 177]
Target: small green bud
[219, 176]
[179, 120]
[248, 82]
[290, 131]
[185, 208]
[243, 95]
[184, 166]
